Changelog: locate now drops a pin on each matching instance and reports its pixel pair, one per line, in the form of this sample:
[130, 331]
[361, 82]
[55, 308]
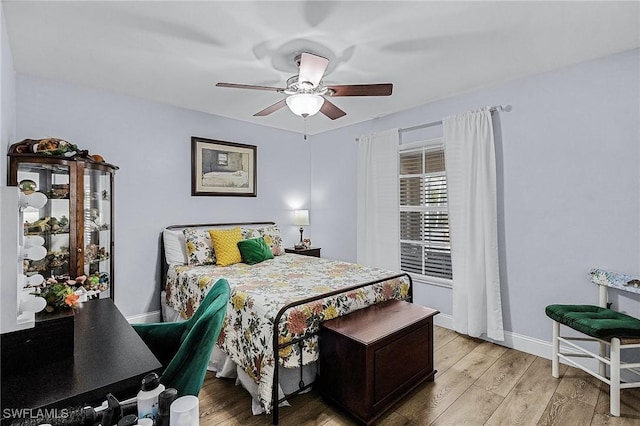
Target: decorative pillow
[175, 250]
[225, 245]
[254, 250]
[199, 247]
[271, 235]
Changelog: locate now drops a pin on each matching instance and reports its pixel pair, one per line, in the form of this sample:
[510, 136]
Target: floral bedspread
[259, 291]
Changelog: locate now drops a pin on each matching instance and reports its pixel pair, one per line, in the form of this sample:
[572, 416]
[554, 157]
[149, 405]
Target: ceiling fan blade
[273, 108]
[383, 89]
[331, 111]
[312, 68]
[249, 86]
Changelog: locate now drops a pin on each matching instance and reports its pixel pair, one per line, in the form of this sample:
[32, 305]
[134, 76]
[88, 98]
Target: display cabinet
[77, 221]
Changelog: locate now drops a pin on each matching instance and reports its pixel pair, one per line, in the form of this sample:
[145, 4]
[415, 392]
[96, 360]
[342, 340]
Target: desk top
[109, 356]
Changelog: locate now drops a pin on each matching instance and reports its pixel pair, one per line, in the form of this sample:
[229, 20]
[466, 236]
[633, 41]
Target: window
[223, 159]
[425, 248]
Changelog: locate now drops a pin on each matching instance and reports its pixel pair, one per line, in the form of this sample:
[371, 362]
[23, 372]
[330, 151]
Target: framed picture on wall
[222, 168]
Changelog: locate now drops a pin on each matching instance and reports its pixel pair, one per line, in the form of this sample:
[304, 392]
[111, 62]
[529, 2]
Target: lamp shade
[301, 217]
[305, 104]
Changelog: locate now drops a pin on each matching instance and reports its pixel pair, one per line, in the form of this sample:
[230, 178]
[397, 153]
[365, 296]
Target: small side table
[311, 251]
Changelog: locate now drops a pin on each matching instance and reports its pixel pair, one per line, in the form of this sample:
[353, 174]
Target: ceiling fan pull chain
[305, 128]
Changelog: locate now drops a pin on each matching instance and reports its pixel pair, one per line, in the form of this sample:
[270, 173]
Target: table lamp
[300, 218]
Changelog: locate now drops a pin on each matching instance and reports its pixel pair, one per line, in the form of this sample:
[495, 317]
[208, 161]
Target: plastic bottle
[185, 411]
[165, 399]
[147, 398]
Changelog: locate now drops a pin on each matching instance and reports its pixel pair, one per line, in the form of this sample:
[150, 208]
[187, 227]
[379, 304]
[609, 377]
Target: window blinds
[425, 247]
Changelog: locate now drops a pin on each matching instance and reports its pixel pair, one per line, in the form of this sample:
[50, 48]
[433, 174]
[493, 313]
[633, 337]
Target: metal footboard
[277, 346]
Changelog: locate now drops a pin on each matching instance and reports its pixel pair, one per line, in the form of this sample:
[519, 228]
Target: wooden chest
[371, 358]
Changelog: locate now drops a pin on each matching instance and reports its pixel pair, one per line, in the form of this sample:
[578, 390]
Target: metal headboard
[163, 261]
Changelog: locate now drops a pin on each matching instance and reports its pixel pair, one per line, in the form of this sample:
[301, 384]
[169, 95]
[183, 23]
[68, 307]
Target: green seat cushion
[595, 321]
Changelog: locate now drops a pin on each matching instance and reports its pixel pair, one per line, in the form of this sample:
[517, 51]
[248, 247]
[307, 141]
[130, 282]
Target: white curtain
[378, 228]
[471, 181]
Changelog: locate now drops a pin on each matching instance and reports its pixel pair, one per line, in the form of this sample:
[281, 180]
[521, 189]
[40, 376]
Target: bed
[275, 309]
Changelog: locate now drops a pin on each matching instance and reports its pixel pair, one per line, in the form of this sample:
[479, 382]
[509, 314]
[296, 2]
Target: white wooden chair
[610, 329]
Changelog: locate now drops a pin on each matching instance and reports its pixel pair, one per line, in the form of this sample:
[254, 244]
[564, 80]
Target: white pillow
[175, 250]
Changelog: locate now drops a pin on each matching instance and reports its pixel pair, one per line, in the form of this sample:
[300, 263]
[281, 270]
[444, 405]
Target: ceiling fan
[306, 93]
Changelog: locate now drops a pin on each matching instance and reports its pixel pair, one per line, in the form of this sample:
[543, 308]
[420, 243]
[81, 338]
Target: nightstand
[311, 251]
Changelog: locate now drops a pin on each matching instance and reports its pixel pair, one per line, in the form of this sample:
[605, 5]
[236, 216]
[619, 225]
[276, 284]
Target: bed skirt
[224, 367]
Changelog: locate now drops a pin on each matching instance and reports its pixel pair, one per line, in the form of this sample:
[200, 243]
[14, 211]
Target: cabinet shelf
[103, 227]
[97, 261]
[48, 224]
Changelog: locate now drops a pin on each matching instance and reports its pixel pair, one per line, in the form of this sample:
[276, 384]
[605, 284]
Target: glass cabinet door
[97, 230]
[51, 222]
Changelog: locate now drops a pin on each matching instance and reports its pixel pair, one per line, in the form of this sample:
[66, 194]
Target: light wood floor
[478, 383]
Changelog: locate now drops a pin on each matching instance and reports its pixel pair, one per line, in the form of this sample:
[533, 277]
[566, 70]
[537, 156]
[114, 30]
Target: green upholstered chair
[184, 348]
[613, 331]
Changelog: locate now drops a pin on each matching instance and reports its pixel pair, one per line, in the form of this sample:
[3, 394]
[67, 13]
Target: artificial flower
[72, 300]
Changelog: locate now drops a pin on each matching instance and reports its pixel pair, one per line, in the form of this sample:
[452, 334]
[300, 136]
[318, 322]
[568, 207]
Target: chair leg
[614, 391]
[602, 366]
[555, 360]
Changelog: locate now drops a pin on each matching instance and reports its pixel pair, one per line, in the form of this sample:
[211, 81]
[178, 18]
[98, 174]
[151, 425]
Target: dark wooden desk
[109, 356]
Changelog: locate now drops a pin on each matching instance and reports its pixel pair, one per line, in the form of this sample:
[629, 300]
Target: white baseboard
[153, 316]
[512, 340]
[533, 346]
[443, 320]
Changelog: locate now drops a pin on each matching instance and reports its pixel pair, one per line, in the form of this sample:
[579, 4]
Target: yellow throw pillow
[225, 245]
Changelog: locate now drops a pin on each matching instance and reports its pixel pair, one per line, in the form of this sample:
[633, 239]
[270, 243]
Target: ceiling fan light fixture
[305, 104]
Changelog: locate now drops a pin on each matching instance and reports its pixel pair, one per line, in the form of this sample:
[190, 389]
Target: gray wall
[7, 95]
[151, 143]
[569, 185]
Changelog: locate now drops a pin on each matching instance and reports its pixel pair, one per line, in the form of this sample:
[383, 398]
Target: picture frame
[221, 168]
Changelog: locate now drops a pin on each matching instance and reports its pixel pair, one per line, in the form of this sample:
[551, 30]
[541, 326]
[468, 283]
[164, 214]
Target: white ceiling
[174, 52]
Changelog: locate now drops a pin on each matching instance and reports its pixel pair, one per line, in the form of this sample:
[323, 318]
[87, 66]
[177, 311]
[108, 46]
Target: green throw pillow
[254, 250]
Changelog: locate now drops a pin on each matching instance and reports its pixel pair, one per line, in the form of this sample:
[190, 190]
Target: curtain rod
[439, 122]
